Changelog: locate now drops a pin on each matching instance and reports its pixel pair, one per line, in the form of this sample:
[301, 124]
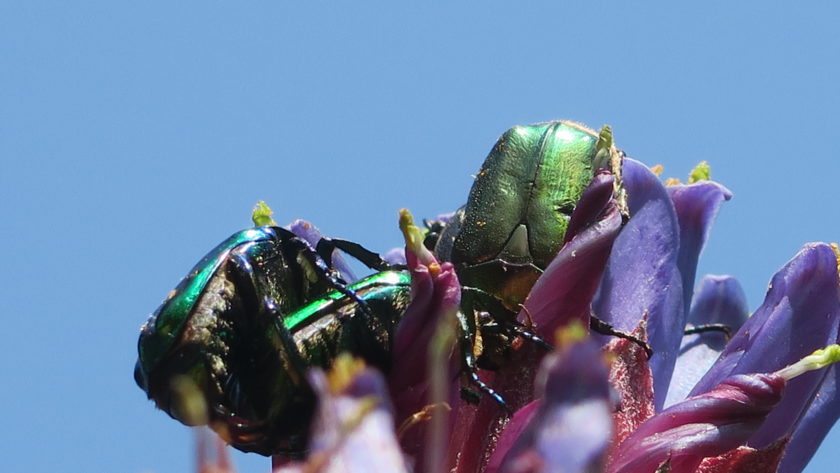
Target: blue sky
[134, 136]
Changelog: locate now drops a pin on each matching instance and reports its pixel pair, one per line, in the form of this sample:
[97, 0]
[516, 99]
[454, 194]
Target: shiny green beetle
[514, 223]
[519, 206]
[247, 323]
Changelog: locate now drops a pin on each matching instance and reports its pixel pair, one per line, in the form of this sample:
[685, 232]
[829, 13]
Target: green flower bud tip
[413, 236]
[414, 240]
[701, 172]
[261, 215]
[603, 149]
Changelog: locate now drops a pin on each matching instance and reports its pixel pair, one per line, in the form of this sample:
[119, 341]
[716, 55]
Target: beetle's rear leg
[599, 326]
[726, 330]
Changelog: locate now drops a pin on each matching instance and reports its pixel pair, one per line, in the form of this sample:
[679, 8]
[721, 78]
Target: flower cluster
[688, 399]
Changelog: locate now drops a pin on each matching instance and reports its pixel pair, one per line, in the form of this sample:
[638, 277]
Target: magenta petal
[593, 202]
[510, 436]
[702, 426]
[564, 291]
[436, 296]
[642, 276]
[571, 427]
[719, 300]
[799, 315]
[696, 206]
[433, 298]
[312, 235]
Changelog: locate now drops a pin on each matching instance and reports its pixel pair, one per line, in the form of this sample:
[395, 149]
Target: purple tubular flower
[564, 291]
[800, 314]
[719, 300]
[642, 277]
[707, 425]
[312, 235]
[568, 430]
[696, 206]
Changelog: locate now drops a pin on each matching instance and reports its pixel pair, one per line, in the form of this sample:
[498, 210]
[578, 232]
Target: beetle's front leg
[371, 259]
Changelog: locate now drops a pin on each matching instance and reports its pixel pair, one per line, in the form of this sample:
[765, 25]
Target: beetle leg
[266, 307]
[509, 322]
[470, 362]
[722, 328]
[604, 328]
[323, 268]
[371, 259]
[532, 337]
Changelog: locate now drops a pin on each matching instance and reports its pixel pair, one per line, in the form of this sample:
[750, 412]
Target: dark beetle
[248, 322]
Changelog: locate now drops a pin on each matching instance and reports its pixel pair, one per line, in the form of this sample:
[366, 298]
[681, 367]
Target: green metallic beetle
[247, 323]
[515, 220]
[520, 204]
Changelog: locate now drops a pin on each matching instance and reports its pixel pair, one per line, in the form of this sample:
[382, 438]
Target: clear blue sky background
[134, 136]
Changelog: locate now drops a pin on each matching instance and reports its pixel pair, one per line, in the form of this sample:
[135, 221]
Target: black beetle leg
[489, 300]
[267, 308]
[519, 330]
[604, 328]
[722, 328]
[324, 270]
[511, 323]
[371, 259]
[470, 364]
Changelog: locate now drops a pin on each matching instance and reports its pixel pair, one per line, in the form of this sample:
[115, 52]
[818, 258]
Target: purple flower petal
[312, 235]
[570, 429]
[719, 300]
[702, 426]
[696, 206]
[815, 424]
[395, 256]
[799, 315]
[642, 277]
